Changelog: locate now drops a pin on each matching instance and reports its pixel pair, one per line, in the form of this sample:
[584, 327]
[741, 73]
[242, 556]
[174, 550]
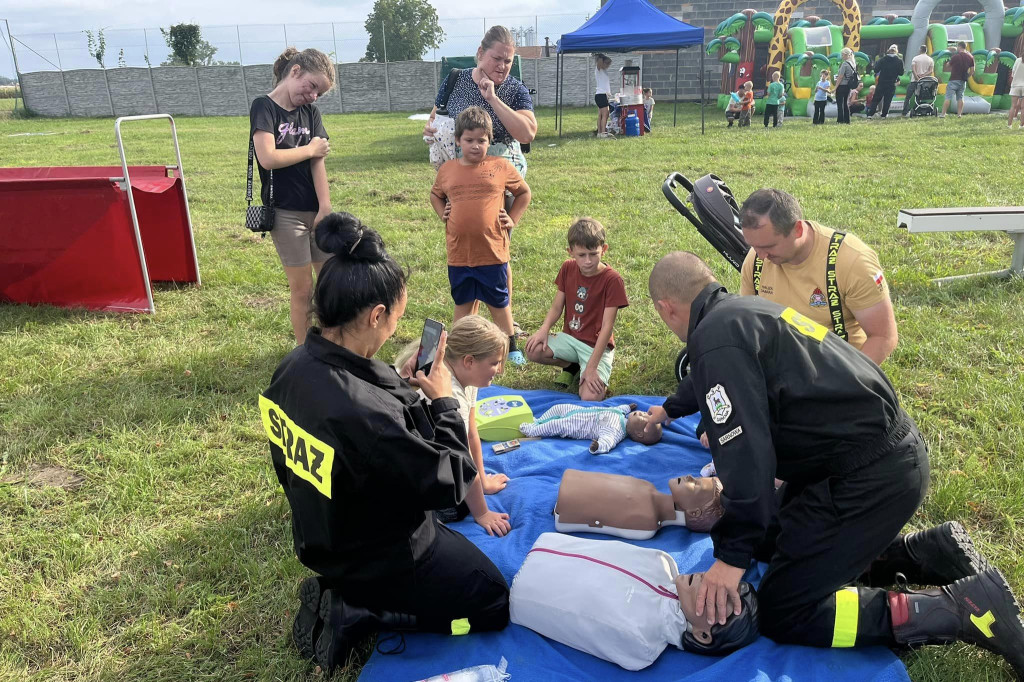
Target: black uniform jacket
[781, 396]
[361, 456]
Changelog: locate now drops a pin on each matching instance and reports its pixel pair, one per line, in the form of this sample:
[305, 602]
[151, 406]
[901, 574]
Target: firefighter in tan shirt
[831, 277]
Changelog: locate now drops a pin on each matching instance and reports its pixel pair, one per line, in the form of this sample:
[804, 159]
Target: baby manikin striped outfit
[605, 426]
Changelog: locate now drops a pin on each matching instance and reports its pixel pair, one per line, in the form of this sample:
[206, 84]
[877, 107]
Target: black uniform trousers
[824, 536]
[452, 581]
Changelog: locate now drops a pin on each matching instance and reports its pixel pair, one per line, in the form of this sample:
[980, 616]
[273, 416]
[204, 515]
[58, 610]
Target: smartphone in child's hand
[427, 353]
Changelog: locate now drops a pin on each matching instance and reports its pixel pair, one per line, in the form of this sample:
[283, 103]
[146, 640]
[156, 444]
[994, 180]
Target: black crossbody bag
[258, 218]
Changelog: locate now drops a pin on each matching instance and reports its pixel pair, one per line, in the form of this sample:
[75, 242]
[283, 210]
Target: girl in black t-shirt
[290, 140]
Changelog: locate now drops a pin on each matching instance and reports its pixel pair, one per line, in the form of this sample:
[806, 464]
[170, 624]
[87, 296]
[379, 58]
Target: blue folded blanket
[536, 470]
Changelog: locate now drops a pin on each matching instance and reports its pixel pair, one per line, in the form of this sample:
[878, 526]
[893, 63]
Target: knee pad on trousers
[738, 631]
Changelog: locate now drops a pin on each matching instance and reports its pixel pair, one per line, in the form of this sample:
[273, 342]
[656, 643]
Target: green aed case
[498, 417]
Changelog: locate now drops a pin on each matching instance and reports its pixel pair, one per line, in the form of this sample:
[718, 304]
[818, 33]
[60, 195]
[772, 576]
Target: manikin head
[700, 499]
[636, 423]
[716, 640]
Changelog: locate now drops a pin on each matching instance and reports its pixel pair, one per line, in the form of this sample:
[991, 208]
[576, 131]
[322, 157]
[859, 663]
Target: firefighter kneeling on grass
[363, 459]
[783, 396]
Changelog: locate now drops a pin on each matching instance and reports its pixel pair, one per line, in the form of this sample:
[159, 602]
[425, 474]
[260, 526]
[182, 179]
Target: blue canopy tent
[628, 26]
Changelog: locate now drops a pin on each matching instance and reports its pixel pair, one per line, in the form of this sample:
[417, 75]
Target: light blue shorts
[571, 349]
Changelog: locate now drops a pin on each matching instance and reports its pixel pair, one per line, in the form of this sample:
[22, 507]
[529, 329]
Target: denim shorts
[955, 90]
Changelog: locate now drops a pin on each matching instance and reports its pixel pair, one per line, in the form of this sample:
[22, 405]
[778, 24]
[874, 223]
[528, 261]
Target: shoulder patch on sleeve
[719, 404]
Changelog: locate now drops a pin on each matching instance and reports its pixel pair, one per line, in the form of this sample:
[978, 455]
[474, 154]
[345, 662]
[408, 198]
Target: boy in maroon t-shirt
[590, 294]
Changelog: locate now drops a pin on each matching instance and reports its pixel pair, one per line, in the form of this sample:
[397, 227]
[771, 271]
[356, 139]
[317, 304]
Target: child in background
[746, 104]
[648, 109]
[469, 196]
[821, 92]
[782, 109]
[590, 295]
[602, 93]
[474, 354]
[732, 109]
[771, 100]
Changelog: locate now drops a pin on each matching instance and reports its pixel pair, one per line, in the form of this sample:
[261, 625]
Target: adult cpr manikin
[620, 602]
[631, 508]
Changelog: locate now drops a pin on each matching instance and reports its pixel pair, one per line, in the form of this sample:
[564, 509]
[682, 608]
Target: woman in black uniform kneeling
[363, 460]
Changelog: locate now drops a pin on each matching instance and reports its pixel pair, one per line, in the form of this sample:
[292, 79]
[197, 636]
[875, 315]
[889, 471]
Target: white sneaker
[942, 116]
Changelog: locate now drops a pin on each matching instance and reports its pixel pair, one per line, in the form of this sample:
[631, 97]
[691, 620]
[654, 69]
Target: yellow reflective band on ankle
[460, 626]
[847, 609]
[984, 623]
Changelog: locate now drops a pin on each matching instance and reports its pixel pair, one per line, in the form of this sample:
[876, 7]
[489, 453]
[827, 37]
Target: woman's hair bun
[345, 236]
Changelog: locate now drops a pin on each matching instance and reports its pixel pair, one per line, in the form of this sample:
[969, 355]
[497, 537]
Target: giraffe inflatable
[851, 30]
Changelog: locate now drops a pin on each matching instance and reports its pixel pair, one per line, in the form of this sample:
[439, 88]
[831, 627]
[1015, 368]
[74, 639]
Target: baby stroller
[924, 97]
[716, 215]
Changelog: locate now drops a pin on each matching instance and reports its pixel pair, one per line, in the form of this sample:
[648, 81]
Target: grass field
[163, 549]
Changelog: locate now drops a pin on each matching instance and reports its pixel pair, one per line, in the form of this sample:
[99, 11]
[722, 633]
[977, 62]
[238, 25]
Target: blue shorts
[487, 283]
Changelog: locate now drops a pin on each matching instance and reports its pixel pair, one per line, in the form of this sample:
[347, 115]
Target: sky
[306, 23]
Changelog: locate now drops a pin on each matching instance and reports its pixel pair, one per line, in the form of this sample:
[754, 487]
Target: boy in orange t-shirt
[469, 196]
[746, 103]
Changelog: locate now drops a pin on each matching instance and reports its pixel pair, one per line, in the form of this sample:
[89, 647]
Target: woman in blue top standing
[504, 97]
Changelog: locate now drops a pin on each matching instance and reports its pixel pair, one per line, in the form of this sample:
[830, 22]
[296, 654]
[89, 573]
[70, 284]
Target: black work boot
[979, 609]
[938, 556]
[346, 625]
[307, 625]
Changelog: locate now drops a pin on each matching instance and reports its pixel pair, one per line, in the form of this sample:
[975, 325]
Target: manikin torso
[632, 508]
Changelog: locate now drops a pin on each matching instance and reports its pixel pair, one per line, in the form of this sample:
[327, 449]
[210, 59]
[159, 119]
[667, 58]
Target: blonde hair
[473, 335]
[496, 35]
[587, 233]
[470, 335]
[846, 54]
[309, 60]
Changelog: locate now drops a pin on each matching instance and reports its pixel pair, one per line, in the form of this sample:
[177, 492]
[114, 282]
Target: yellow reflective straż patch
[307, 456]
[804, 324]
[984, 623]
[460, 626]
[844, 634]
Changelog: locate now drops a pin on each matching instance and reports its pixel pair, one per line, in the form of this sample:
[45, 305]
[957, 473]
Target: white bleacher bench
[1009, 219]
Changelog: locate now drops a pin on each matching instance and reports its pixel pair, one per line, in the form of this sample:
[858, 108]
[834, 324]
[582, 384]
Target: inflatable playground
[751, 45]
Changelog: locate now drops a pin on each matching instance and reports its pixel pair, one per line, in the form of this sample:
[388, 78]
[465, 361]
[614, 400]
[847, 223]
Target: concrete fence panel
[222, 91]
[259, 80]
[132, 91]
[87, 91]
[363, 87]
[412, 85]
[44, 93]
[176, 90]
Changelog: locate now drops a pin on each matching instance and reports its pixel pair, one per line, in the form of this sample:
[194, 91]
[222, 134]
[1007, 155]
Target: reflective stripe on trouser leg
[844, 634]
[461, 626]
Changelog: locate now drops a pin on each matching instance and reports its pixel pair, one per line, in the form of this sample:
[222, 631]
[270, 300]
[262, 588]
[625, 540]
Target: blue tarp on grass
[536, 470]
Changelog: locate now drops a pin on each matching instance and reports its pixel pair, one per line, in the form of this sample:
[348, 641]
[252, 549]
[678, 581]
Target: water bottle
[632, 125]
[478, 673]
